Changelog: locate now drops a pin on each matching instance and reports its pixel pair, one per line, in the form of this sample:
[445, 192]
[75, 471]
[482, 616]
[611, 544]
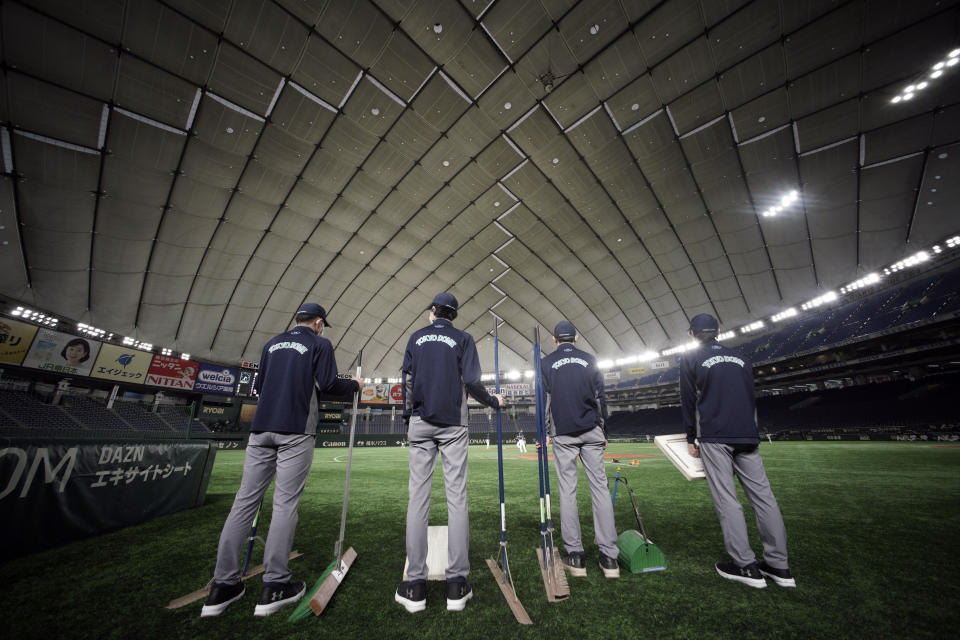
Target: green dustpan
[637, 553]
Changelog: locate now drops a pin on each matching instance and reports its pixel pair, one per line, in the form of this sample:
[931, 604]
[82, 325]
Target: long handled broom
[501, 571]
[554, 579]
[331, 578]
[636, 551]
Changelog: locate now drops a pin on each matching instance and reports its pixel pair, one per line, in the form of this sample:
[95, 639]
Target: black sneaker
[458, 592]
[276, 595]
[412, 595]
[610, 567]
[782, 577]
[749, 575]
[221, 596]
[573, 562]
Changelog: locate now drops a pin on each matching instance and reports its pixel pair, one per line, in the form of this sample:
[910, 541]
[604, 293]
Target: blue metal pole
[546, 459]
[253, 536]
[541, 437]
[503, 510]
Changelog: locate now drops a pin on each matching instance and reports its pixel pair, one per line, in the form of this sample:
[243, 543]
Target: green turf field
[871, 529]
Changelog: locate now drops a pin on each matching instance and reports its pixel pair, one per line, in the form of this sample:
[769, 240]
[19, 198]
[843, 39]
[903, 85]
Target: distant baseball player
[576, 410]
[719, 414]
[293, 366]
[522, 443]
[440, 366]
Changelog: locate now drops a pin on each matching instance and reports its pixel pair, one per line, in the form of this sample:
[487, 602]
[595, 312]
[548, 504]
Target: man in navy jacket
[440, 366]
[294, 366]
[719, 415]
[576, 411]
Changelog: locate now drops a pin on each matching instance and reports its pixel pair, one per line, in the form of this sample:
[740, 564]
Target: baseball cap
[704, 322]
[445, 299]
[313, 309]
[564, 330]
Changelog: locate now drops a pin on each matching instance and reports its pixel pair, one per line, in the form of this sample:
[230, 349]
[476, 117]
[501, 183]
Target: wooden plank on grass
[203, 593]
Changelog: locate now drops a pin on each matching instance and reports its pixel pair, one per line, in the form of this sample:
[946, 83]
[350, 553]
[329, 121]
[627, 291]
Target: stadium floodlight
[936, 71]
[953, 242]
[726, 335]
[145, 346]
[487, 376]
[513, 374]
[786, 200]
[911, 261]
[93, 332]
[17, 311]
[647, 356]
[367, 381]
[753, 326]
[184, 356]
[829, 296]
[628, 360]
[865, 281]
[783, 315]
[528, 373]
[378, 381]
[604, 364]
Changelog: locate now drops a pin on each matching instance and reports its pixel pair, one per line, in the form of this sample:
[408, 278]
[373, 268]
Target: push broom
[326, 586]
[636, 551]
[501, 571]
[554, 579]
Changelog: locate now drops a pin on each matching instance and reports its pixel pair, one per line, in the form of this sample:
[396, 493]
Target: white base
[436, 554]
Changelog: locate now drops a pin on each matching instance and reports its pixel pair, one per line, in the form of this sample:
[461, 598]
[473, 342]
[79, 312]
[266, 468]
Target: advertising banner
[15, 339]
[383, 393]
[247, 411]
[245, 386]
[166, 371]
[123, 364]
[611, 375]
[63, 490]
[636, 371]
[214, 379]
[512, 389]
[62, 353]
[663, 364]
[212, 412]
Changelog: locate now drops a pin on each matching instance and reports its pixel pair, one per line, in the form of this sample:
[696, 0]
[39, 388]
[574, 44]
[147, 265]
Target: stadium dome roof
[190, 172]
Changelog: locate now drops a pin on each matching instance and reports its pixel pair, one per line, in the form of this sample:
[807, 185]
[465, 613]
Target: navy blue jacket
[291, 366]
[440, 366]
[574, 390]
[716, 396]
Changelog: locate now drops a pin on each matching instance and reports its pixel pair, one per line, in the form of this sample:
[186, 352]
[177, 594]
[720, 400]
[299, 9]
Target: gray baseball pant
[288, 456]
[721, 462]
[589, 446]
[425, 440]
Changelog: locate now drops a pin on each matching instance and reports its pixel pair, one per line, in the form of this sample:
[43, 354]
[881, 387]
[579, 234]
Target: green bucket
[638, 554]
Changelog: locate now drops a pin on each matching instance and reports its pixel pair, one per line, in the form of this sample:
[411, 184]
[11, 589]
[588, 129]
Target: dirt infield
[606, 456]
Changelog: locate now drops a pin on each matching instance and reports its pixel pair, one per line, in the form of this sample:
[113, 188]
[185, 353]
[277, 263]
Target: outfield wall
[56, 491]
[236, 442]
